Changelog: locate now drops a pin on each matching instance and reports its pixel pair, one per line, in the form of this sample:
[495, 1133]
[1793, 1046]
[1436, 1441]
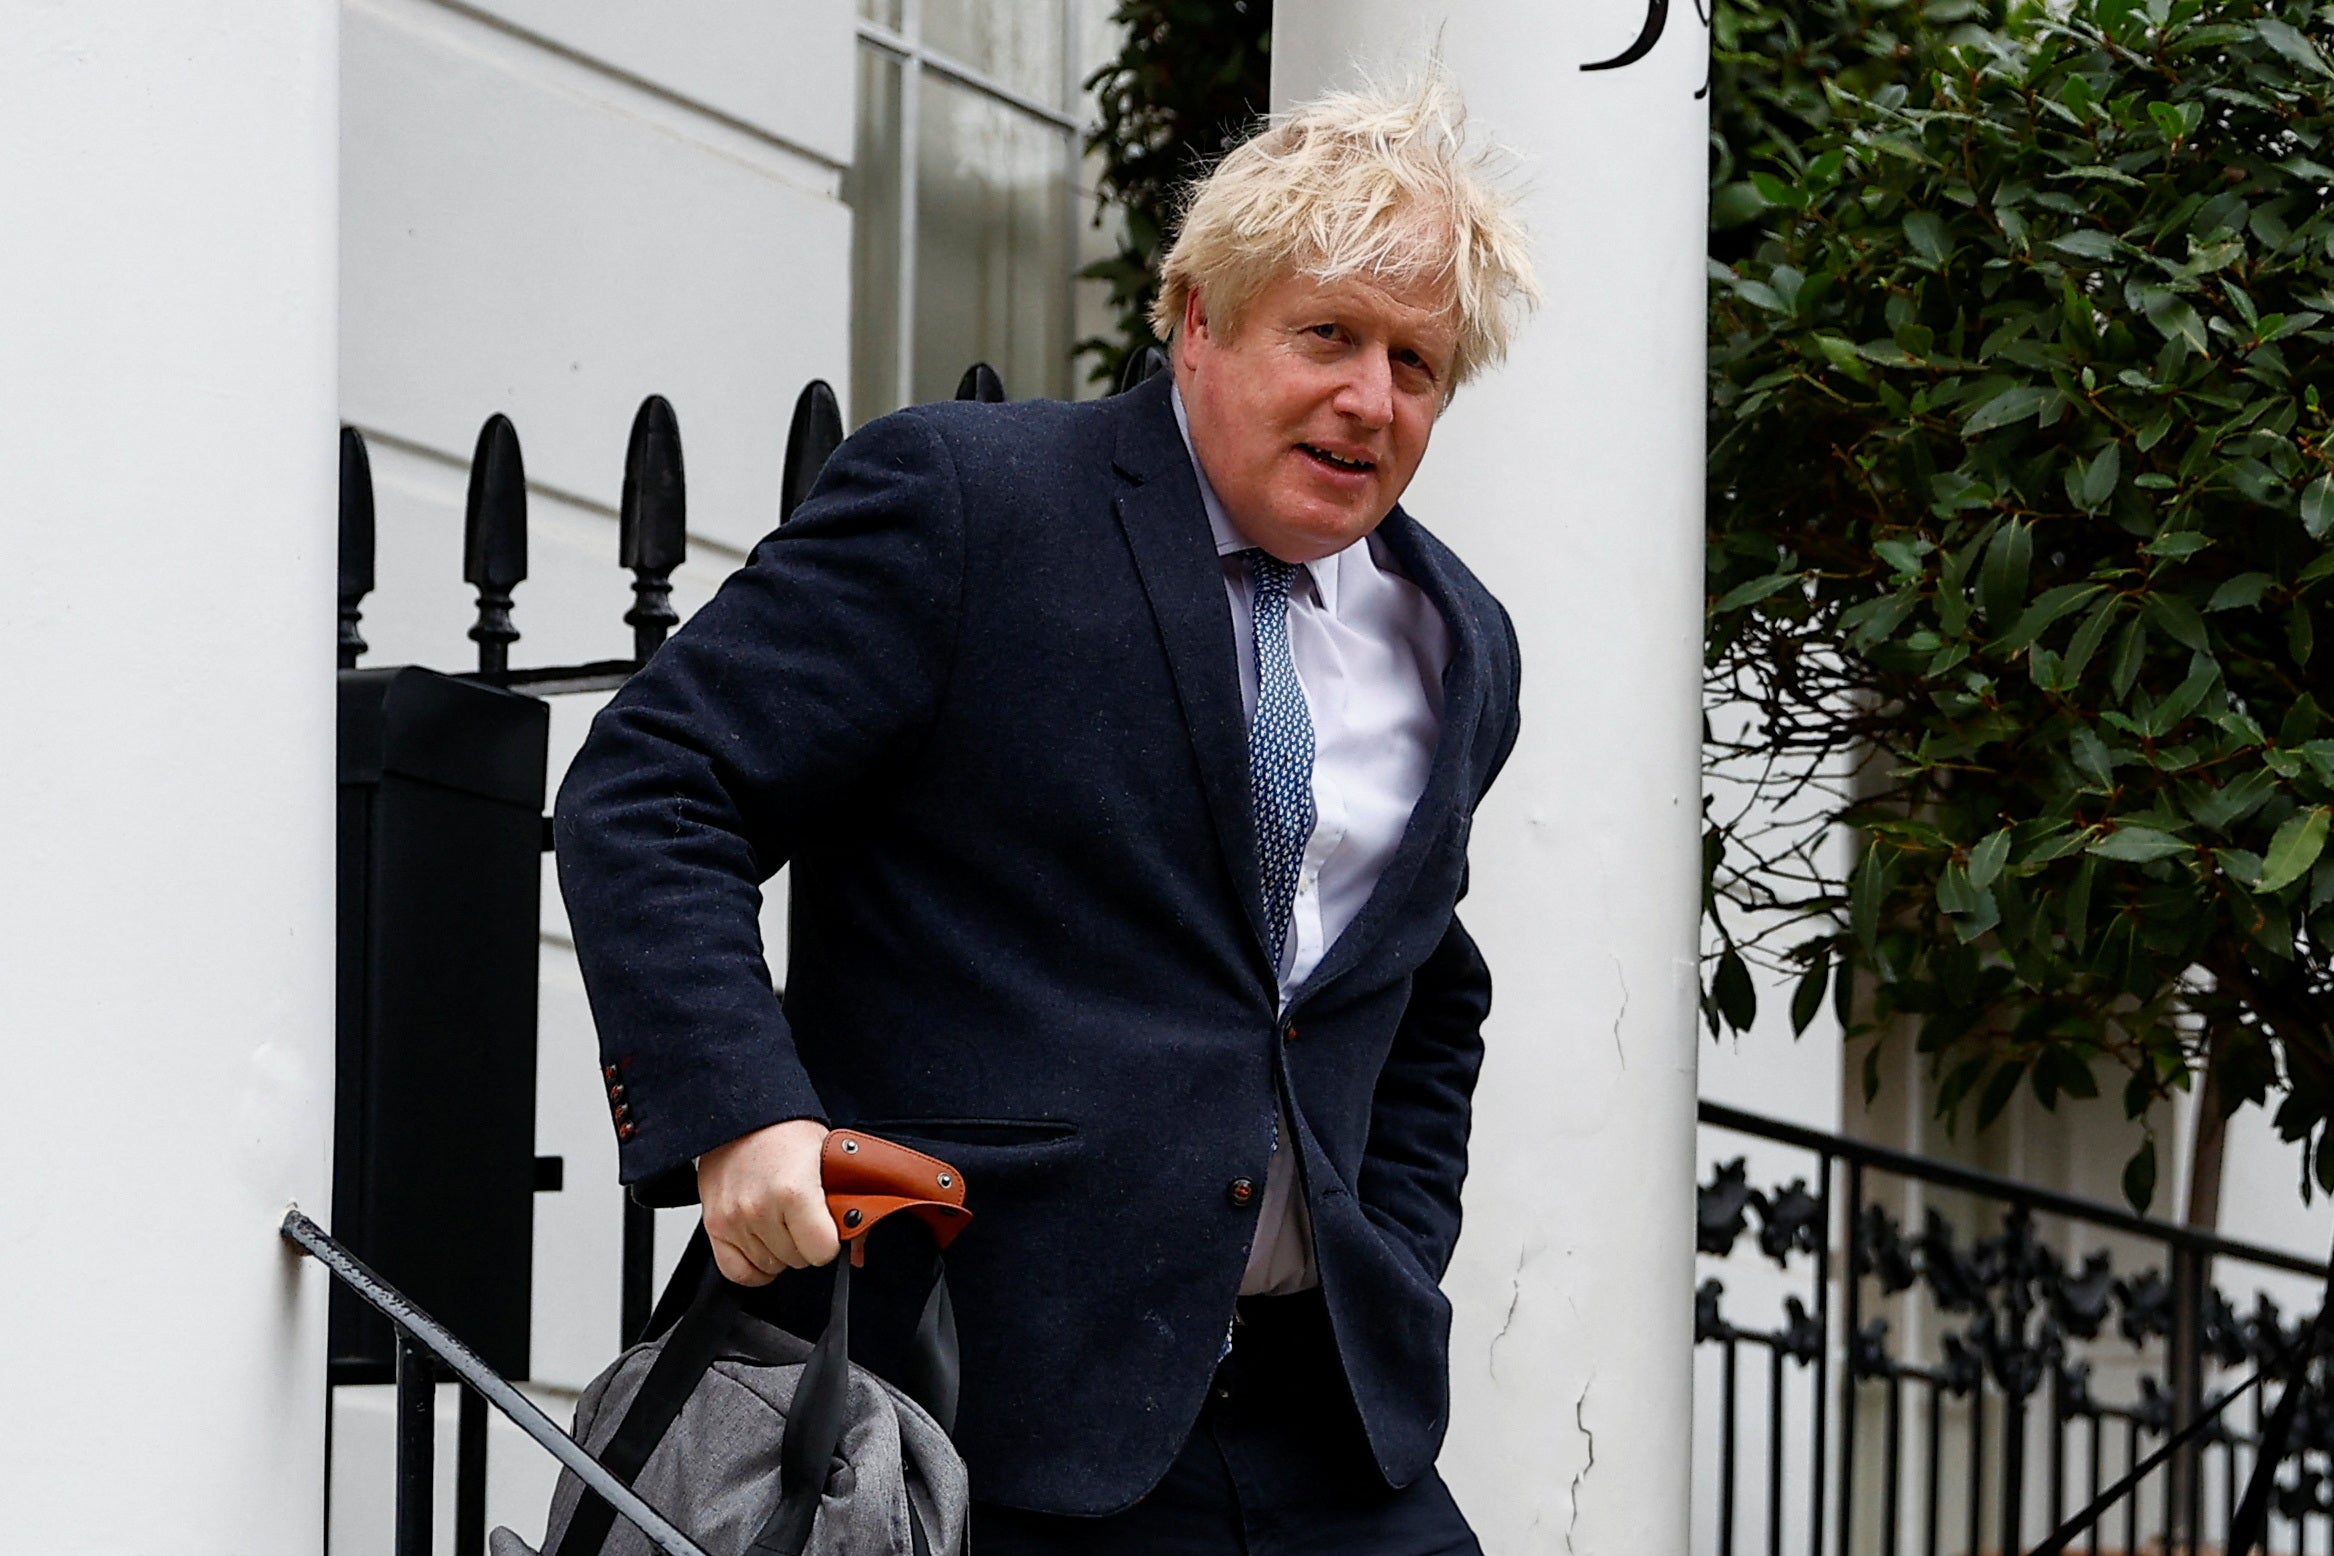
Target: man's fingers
[740, 1266]
[812, 1230]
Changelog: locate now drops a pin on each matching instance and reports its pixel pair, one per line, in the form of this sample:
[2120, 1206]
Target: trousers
[1277, 1466]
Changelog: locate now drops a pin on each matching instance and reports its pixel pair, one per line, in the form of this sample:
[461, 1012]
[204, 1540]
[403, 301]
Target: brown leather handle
[868, 1178]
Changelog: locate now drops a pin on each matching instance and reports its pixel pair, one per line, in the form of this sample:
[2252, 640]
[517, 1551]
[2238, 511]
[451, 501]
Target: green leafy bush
[1190, 80]
[2021, 498]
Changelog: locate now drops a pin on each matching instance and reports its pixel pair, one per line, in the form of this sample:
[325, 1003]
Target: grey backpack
[756, 1442]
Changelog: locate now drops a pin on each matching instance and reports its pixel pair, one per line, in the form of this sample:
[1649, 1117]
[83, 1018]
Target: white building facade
[234, 223]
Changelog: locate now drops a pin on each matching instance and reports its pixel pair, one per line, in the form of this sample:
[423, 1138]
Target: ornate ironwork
[2015, 1320]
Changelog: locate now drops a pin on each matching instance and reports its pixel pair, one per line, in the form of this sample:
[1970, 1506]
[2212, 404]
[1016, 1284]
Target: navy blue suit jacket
[980, 693]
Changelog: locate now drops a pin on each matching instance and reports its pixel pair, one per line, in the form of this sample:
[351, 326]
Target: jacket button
[1241, 1193]
[616, 1092]
[1289, 1033]
[609, 1072]
[627, 1130]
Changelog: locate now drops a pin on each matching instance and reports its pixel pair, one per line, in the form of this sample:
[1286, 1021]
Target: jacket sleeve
[818, 662]
[1422, 1111]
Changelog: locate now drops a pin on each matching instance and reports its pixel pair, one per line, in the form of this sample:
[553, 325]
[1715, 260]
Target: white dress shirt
[1370, 650]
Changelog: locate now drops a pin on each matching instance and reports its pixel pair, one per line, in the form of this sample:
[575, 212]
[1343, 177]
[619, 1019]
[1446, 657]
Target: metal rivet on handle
[850, 1147]
[946, 1181]
[853, 1217]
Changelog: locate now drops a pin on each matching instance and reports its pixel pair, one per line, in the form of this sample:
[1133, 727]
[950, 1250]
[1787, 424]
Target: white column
[1571, 480]
[167, 478]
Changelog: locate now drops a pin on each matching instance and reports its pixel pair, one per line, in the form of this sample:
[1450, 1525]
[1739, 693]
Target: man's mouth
[1342, 462]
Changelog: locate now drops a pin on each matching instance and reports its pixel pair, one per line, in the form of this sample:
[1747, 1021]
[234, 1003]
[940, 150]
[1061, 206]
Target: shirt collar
[1228, 538]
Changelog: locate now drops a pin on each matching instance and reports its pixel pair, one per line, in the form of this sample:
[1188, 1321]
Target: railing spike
[356, 541]
[980, 382]
[653, 534]
[817, 431]
[494, 539]
[1140, 365]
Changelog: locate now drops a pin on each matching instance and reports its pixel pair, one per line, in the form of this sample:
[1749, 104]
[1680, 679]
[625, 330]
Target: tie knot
[1270, 572]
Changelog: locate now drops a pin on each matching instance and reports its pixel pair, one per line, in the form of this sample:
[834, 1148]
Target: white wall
[1571, 481]
[166, 959]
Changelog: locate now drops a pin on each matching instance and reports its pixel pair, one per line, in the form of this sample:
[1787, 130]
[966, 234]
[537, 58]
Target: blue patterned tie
[1280, 749]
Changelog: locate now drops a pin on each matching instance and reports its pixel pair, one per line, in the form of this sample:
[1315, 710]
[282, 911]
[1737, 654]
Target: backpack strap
[814, 1429]
[695, 1339]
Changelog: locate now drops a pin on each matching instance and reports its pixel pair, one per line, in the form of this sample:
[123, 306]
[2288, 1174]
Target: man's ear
[1195, 327]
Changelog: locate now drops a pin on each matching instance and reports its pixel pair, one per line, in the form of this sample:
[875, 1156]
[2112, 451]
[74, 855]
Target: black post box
[441, 849]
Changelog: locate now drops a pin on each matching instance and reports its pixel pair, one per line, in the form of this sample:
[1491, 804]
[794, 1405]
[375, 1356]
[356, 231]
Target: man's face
[1312, 416]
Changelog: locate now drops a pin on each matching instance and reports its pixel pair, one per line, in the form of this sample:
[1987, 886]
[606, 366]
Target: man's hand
[764, 1208]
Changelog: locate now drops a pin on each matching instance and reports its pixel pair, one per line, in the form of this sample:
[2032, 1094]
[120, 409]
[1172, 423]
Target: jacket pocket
[973, 1131]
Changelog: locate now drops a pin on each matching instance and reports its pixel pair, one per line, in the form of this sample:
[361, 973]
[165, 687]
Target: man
[1124, 754]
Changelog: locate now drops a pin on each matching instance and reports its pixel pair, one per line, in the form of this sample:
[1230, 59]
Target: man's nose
[1367, 395]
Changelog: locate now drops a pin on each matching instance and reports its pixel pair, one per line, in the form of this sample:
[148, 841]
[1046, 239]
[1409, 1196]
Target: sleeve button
[1240, 1193]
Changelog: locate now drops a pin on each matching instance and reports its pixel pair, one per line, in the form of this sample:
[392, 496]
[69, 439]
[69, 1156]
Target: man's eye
[1325, 331]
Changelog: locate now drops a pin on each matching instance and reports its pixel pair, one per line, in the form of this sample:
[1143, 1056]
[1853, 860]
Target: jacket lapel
[1166, 528]
[1449, 782]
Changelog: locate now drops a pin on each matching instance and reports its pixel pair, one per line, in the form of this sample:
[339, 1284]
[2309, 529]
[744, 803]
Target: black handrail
[415, 1327]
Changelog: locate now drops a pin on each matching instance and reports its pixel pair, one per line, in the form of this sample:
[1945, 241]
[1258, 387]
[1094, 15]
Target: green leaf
[2089, 635]
[2242, 592]
[1925, 231]
[1987, 858]
[2099, 481]
[2139, 845]
[1731, 989]
[2294, 849]
[2183, 700]
[2318, 507]
[2068, 1071]
[2178, 621]
[1864, 894]
[2001, 580]
[1807, 998]
[2078, 904]
[2178, 544]
[2091, 757]
[2178, 321]
[1733, 204]
[2139, 1177]
[2047, 608]
[1973, 909]
[2130, 650]
[1842, 354]
[2234, 800]
[2010, 405]
[1776, 192]
[2289, 41]
[2086, 244]
[2001, 1086]
[1754, 591]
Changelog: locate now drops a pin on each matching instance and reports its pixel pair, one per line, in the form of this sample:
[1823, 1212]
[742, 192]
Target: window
[963, 190]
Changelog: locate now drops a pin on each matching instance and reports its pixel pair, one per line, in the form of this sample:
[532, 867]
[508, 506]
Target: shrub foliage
[1190, 80]
[2022, 498]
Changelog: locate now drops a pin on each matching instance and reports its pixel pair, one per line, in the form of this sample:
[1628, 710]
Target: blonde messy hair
[1371, 183]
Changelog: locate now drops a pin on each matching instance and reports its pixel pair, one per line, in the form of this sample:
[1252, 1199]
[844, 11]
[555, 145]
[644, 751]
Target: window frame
[906, 47]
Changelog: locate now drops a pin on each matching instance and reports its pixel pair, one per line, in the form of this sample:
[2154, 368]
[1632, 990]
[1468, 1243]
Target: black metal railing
[1947, 1391]
[427, 1354]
